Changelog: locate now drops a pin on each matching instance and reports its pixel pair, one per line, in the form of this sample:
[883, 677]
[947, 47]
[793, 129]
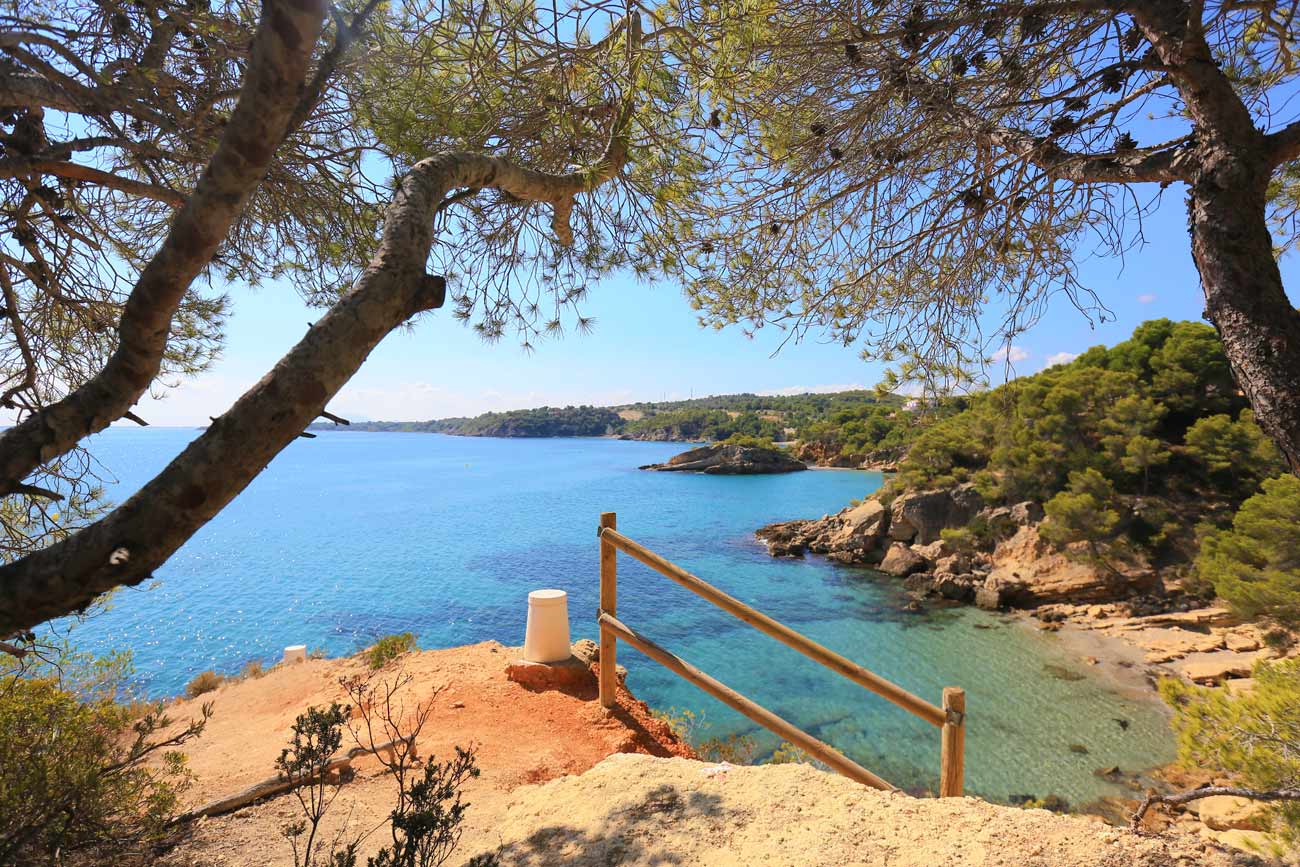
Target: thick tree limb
[1162, 166]
[76, 171]
[1153, 798]
[281, 52]
[1283, 145]
[128, 544]
[29, 90]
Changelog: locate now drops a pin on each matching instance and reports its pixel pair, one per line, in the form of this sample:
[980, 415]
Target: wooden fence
[950, 718]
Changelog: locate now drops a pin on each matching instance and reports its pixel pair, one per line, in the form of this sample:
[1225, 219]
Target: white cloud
[1146, 299]
[1010, 353]
[1061, 358]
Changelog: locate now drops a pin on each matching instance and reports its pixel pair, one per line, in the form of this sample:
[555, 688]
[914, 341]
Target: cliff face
[729, 459]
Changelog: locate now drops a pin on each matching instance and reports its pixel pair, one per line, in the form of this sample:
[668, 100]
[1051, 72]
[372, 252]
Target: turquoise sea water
[353, 535]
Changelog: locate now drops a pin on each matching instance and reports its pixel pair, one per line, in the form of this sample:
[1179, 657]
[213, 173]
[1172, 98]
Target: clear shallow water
[353, 535]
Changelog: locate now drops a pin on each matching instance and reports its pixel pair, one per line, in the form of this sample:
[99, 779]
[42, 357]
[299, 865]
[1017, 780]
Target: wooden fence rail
[951, 718]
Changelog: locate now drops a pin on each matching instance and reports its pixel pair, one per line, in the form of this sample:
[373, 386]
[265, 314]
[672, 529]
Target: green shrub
[388, 648]
[203, 682]
[750, 442]
[1254, 737]
[85, 777]
[1255, 565]
[734, 749]
[680, 721]
[788, 754]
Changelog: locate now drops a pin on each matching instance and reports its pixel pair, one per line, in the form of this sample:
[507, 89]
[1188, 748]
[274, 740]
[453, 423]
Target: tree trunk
[1244, 296]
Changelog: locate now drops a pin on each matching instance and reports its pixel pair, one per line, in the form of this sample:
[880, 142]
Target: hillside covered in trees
[1133, 446]
[843, 420]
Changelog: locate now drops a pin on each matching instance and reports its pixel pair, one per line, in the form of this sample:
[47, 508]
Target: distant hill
[774, 417]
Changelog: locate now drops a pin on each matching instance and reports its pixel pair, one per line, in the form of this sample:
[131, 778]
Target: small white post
[546, 637]
[294, 653]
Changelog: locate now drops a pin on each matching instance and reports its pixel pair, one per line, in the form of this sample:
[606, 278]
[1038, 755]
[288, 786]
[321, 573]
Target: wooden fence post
[952, 753]
[608, 605]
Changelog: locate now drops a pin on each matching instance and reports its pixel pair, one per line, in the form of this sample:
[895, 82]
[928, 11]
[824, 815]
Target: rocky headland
[730, 459]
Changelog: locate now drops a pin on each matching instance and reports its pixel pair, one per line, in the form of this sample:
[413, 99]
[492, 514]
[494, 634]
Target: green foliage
[853, 421]
[388, 648]
[1083, 512]
[787, 753]
[735, 749]
[1123, 411]
[546, 421]
[1254, 736]
[426, 825]
[750, 442]
[317, 736]
[203, 682]
[1234, 454]
[1255, 565]
[682, 722]
[86, 776]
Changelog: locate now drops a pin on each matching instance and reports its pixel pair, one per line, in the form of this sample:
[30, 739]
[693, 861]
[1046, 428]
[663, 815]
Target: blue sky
[647, 346]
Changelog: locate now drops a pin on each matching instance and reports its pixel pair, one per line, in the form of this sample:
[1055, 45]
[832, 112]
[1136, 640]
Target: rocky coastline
[1014, 568]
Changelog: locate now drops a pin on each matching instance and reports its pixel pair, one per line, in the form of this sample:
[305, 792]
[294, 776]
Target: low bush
[388, 648]
[86, 776]
[203, 682]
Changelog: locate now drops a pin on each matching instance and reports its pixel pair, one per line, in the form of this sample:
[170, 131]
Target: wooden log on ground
[278, 785]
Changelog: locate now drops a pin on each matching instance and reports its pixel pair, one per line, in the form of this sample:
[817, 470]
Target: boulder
[787, 538]
[920, 516]
[1225, 813]
[935, 551]
[859, 525]
[730, 459]
[852, 535]
[901, 560]
[997, 593]
[1050, 576]
[959, 588]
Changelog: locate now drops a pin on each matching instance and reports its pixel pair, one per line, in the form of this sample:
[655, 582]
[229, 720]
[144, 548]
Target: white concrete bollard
[546, 638]
[294, 653]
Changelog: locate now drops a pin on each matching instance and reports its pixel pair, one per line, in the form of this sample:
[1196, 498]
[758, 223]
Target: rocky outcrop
[821, 454]
[904, 539]
[920, 516]
[1031, 570]
[852, 535]
[730, 459]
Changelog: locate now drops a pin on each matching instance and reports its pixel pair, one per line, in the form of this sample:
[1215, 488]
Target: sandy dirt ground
[521, 736]
[643, 811]
[563, 783]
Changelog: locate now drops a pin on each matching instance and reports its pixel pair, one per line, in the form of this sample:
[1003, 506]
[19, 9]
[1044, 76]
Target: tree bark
[281, 54]
[137, 537]
[1244, 295]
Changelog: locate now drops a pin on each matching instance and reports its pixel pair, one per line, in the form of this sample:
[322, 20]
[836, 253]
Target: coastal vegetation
[87, 774]
[807, 417]
[1136, 448]
[1253, 737]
